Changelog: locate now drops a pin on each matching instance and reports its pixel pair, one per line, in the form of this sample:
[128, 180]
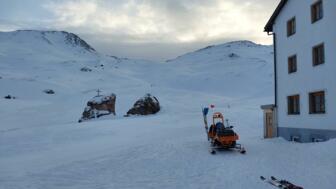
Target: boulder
[86, 69]
[49, 91]
[99, 106]
[233, 55]
[145, 106]
[9, 97]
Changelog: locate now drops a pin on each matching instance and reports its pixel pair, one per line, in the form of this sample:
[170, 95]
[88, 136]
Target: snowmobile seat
[225, 132]
[221, 130]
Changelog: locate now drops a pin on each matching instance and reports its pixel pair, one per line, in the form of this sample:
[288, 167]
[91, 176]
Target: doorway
[270, 130]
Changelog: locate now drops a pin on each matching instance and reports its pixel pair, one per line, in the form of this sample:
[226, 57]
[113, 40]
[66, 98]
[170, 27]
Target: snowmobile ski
[242, 150]
[212, 151]
[238, 148]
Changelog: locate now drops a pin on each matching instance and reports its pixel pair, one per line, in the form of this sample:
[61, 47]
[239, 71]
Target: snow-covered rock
[99, 106]
[145, 106]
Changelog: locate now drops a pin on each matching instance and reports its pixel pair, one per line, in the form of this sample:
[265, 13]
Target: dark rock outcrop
[233, 55]
[10, 97]
[49, 91]
[99, 106]
[74, 40]
[69, 38]
[145, 106]
[86, 69]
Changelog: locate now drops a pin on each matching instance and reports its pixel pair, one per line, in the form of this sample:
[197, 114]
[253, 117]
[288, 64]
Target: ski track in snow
[42, 145]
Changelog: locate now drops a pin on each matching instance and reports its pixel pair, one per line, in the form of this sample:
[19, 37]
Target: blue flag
[205, 111]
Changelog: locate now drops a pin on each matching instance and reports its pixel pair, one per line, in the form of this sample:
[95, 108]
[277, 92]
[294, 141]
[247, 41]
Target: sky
[144, 29]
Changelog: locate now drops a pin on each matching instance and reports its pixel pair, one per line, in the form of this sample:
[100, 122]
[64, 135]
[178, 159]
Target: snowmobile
[221, 136]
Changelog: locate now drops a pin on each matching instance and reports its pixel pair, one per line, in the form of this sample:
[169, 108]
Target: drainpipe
[275, 68]
[275, 112]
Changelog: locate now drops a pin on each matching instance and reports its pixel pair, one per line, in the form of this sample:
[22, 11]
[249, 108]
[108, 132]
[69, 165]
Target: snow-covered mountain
[50, 42]
[240, 68]
[43, 146]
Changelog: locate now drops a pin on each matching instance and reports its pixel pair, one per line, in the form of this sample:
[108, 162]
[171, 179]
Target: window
[295, 138]
[291, 27]
[317, 102]
[317, 140]
[317, 11]
[293, 105]
[318, 54]
[292, 64]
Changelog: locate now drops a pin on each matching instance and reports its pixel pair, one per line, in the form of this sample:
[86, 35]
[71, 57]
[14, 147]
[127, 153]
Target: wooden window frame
[291, 103]
[317, 60]
[292, 64]
[291, 26]
[317, 11]
[312, 104]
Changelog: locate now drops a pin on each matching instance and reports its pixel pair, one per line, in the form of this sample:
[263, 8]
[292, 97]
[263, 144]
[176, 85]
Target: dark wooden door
[269, 125]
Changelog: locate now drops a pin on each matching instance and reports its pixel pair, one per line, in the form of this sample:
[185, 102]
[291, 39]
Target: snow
[102, 98]
[43, 146]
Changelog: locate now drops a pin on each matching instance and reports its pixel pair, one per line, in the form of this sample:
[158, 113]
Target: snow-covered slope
[240, 68]
[43, 146]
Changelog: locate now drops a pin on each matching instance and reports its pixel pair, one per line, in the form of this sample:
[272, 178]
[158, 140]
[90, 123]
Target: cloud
[162, 21]
[72, 13]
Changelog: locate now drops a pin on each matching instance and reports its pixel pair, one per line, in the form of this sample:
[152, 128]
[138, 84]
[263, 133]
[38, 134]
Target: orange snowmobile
[219, 135]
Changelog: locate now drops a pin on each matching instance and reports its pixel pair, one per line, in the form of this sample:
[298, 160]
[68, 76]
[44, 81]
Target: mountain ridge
[231, 44]
[74, 40]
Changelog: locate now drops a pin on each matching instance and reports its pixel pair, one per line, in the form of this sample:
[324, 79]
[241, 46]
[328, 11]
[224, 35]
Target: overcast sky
[146, 29]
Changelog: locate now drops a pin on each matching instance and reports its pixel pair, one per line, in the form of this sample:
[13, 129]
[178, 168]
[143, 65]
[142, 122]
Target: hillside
[240, 68]
[43, 145]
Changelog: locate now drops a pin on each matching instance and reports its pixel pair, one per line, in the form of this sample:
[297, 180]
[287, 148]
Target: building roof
[267, 107]
[269, 25]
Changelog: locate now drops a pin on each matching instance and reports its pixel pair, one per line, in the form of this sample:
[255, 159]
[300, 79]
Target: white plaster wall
[307, 78]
